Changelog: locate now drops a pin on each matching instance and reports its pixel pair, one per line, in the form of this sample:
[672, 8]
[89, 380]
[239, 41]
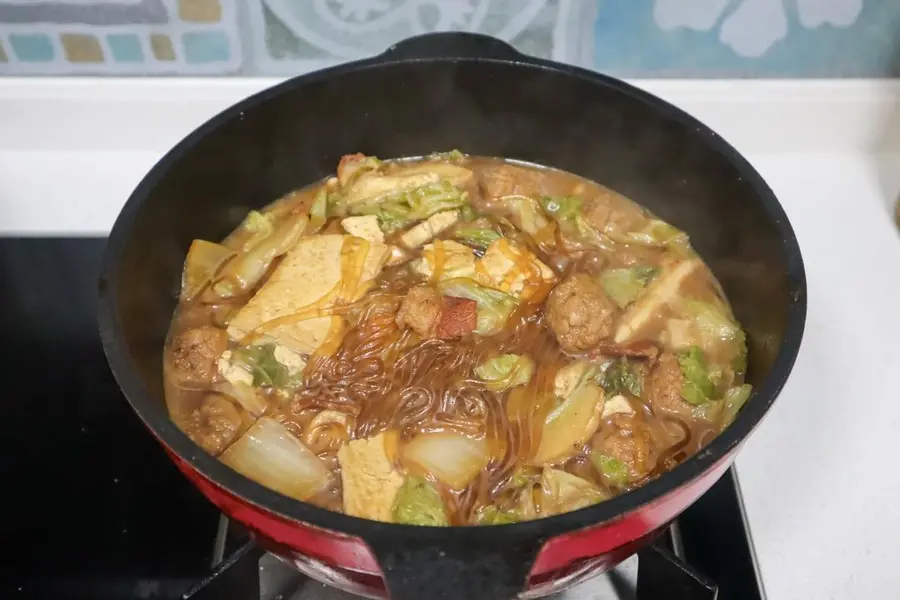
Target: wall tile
[633, 38]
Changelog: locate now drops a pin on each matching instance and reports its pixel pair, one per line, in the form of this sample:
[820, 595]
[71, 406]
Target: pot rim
[157, 420]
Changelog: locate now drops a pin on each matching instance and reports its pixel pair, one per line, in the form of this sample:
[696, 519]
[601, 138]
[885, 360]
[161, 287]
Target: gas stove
[98, 512]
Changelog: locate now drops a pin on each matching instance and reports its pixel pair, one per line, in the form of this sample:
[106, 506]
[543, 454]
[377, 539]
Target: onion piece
[204, 259]
[454, 459]
[570, 425]
[244, 272]
[246, 395]
[270, 455]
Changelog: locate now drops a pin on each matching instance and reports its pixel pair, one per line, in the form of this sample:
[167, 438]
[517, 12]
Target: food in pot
[453, 340]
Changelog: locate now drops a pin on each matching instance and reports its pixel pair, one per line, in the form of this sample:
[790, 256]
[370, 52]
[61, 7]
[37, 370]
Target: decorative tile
[205, 47]
[748, 38]
[81, 48]
[291, 36]
[32, 47]
[162, 47]
[200, 11]
[147, 37]
[125, 47]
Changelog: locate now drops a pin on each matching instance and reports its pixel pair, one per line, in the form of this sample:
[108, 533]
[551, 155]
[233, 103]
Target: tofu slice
[308, 276]
[568, 377]
[429, 229]
[615, 406]
[636, 321]
[370, 481]
[231, 372]
[495, 268]
[459, 260]
[365, 227]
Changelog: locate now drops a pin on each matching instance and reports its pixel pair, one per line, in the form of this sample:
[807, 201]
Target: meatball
[580, 313]
[215, 424]
[194, 352]
[630, 442]
[664, 388]
[420, 310]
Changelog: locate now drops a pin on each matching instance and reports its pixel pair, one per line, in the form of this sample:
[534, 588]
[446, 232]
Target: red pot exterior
[347, 562]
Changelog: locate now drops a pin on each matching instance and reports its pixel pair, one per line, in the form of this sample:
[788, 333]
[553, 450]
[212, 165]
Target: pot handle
[452, 44]
[455, 571]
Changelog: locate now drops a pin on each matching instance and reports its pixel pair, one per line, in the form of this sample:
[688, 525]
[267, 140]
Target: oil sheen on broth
[453, 340]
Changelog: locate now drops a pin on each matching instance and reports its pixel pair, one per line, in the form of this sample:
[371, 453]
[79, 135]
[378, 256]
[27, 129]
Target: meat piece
[429, 229]
[580, 313]
[215, 424]
[505, 180]
[608, 209]
[420, 310]
[664, 387]
[369, 479]
[194, 354]
[642, 349]
[630, 442]
[458, 318]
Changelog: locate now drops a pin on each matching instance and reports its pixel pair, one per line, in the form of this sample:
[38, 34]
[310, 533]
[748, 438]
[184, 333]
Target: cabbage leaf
[505, 371]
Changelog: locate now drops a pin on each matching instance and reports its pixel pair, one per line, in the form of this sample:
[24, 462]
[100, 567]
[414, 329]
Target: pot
[477, 94]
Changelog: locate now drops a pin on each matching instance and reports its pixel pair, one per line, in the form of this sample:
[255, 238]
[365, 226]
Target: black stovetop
[93, 509]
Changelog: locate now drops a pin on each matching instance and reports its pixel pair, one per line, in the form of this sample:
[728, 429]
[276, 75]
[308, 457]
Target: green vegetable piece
[491, 515]
[712, 320]
[698, 388]
[739, 364]
[614, 471]
[493, 306]
[418, 503]
[626, 285]
[735, 398]
[562, 207]
[480, 238]
[453, 156]
[467, 213]
[619, 377]
[399, 209]
[505, 371]
[266, 370]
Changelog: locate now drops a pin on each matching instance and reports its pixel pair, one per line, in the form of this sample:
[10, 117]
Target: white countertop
[819, 477]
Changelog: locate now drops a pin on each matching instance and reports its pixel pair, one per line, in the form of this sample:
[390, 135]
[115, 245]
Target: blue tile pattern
[32, 47]
[205, 47]
[125, 47]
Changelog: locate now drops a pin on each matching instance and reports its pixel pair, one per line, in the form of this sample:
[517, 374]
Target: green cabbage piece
[614, 471]
[418, 503]
[480, 238]
[619, 376]
[712, 320]
[453, 156]
[493, 306]
[734, 400]
[698, 387]
[491, 515]
[267, 371]
[626, 285]
[562, 207]
[505, 371]
[399, 209]
[467, 213]
[525, 213]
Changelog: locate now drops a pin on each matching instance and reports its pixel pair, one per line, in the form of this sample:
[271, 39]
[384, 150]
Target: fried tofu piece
[370, 481]
[458, 260]
[365, 227]
[429, 229]
[508, 267]
[638, 320]
[309, 276]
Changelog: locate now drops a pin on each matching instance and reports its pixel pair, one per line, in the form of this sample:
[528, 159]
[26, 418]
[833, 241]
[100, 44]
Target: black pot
[477, 94]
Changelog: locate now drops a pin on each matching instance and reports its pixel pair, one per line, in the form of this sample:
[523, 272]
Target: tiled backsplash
[637, 38]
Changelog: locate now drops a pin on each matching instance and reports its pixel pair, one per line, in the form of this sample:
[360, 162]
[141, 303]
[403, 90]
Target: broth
[454, 340]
